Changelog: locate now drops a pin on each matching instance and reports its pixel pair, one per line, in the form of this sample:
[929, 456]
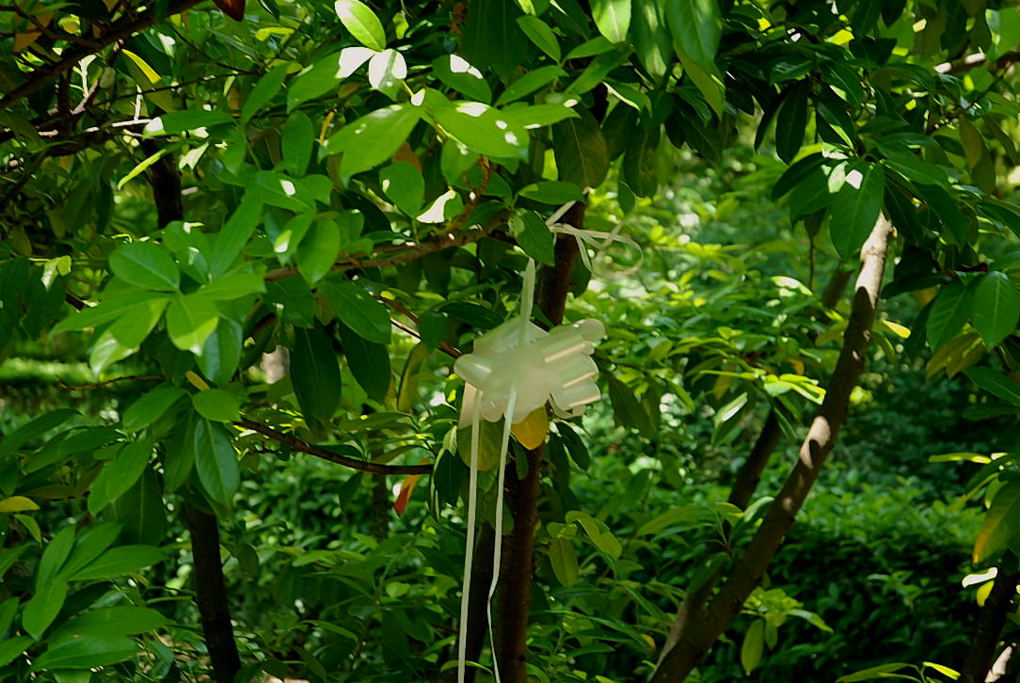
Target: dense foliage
[241, 247]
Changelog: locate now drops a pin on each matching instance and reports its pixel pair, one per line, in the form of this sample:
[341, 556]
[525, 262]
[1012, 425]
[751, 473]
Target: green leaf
[234, 235]
[481, 128]
[137, 322]
[113, 621]
[296, 142]
[189, 119]
[217, 405]
[696, 26]
[357, 308]
[315, 374]
[368, 362]
[536, 116]
[315, 81]
[119, 475]
[552, 192]
[263, 92]
[612, 17]
[318, 250]
[533, 236]
[140, 511]
[90, 545]
[146, 265]
[529, 83]
[34, 429]
[596, 72]
[234, 286]
[751, 649]
[650, 35]
[372, 139]
[85, 653]
[948, 313]
[43, 608]
[564, 561]
[455, 72]
[856, 207]
[999, 530]
[539, 33]
[221, 352]
[582, 157]
[408, 393]
[492, 39]
[791, 120]
[53, 557]
[597, 531]
[639, 168]
[215, 460]
[190, 320]
[996, 306]
[995, 383]
[404, 185]
[386, 72]
[12, 647]
[627, 408]
[362, 23]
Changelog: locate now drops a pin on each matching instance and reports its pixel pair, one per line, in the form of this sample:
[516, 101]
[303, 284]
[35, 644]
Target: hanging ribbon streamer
[515, 369]
[598, 240]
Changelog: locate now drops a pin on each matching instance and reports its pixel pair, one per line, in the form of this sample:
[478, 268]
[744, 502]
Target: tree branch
[122, 28]
[818, 443]
[297, 444]
[989, 627]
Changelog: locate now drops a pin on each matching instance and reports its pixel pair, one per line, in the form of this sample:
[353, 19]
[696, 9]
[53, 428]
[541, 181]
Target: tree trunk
[516, 570]
[211, 596]
[820, 439]
[981, 653]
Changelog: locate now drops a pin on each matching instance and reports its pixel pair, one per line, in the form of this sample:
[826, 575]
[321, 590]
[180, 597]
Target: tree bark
[981, 653]
[820, 439]
[516, 570]
[210, 590]
[211, 596]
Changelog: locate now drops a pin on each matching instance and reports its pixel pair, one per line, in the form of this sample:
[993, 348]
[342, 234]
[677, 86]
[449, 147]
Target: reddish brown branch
[297, 444]
[516, 570]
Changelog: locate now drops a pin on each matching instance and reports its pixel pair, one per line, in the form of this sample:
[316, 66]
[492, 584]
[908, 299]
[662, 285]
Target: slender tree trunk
[210, 594]
[210, 590]
[746, 483]
[981, 653]
[522, 494]
[821, 438]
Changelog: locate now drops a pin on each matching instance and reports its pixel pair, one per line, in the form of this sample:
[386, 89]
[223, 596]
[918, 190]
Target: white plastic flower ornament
[514, 370]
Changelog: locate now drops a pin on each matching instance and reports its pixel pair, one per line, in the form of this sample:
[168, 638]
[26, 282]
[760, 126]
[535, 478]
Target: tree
[188, 187]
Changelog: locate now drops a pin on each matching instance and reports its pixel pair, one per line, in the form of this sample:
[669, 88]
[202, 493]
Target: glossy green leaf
[404, 186]
[612, 17]
[357, 308]
[651, 38]
[995, 383]
[696, 26]
[221, 351]
[529, 83]
[53, 557]
[455, 72]
[190, 119]
[12, 647]
[190, 320]
[361, 21]
[856, 208]
[533, 236]
[315, 374]
[217, 405]
[563, 558]
[318, 250]
[264, 91]
[146, 265]
[582, 157]
[119, 475]
[482, 129]
[552, 192]
[489, 24]
[372, 139]
[43, 608]
[140, 511]
[539, 33]
[996, 307]
[948, 313]
[296, 142]
[86, 652]
[753, 645]
[113, 621]
[369, 362]
[999, 530]
[791, 121]
[215, 460]
[234, 235]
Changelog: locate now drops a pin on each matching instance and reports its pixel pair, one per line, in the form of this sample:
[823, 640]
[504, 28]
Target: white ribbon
[514, 370]
[597, 240]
